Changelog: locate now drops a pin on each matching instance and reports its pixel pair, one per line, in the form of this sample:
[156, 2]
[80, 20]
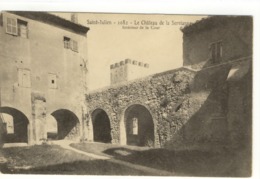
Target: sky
[112, 41]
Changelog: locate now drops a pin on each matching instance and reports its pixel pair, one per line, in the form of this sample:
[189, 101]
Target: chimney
[74, 18]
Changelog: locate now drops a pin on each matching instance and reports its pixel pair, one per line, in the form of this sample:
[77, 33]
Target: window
[52, 81]
[216, 51]
[70, 44]
[11, 26]
[66, 41]
[24, 78]
[22, 29]
[17, 27]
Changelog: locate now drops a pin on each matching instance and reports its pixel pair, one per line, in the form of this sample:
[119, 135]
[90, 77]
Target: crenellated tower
[127, 70]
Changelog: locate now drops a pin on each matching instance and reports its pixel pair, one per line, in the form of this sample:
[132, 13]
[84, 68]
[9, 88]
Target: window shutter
[74, 45]
[71, 44]
[11, 26]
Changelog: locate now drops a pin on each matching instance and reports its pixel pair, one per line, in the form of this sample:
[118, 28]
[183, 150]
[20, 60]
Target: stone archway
[15, 125]
[67, 124]
[138, 126]
[101, 126]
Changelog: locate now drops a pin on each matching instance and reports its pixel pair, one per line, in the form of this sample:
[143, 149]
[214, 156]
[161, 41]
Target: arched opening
[139, 126]
[15, 125]
[67, 124]
[101, 126]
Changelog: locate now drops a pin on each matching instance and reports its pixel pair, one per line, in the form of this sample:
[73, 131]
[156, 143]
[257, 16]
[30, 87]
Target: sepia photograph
[91, 93]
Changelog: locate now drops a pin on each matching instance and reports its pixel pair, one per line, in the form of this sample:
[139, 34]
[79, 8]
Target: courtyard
[111, 159]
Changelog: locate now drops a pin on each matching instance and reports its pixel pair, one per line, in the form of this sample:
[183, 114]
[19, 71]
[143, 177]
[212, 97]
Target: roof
[53, 20]
[216, 21]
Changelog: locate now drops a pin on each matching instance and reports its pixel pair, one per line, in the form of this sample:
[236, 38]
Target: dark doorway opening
[101, 126]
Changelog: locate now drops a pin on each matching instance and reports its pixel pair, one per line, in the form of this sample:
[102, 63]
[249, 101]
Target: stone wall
[161, 94]
[186, 106]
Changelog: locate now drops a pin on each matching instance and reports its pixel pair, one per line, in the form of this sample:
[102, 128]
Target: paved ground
[66, 145]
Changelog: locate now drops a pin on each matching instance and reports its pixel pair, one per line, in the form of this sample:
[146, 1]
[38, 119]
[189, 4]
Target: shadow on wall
[218, 109]
[218, 114]
[17, 122]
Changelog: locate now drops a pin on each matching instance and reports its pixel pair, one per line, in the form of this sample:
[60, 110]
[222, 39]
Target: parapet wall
[129, 61]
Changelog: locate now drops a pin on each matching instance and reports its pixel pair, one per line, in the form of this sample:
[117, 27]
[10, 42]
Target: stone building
[223, 42]
[42, 75]
[217, 39]
[208, 101]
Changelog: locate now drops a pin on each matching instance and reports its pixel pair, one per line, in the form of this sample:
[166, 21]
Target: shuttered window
[70, 44]
[74, 45]
[17, 27]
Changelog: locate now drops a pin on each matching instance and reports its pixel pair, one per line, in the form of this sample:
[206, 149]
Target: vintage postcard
[125, 94]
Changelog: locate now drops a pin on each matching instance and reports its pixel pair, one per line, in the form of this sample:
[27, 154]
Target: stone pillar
[31, 138]
[122, 130]
[39, 118]
[90, 132]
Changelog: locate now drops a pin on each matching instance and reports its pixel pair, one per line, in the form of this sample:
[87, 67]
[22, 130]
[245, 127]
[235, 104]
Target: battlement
[130, 62]
[126, 70]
